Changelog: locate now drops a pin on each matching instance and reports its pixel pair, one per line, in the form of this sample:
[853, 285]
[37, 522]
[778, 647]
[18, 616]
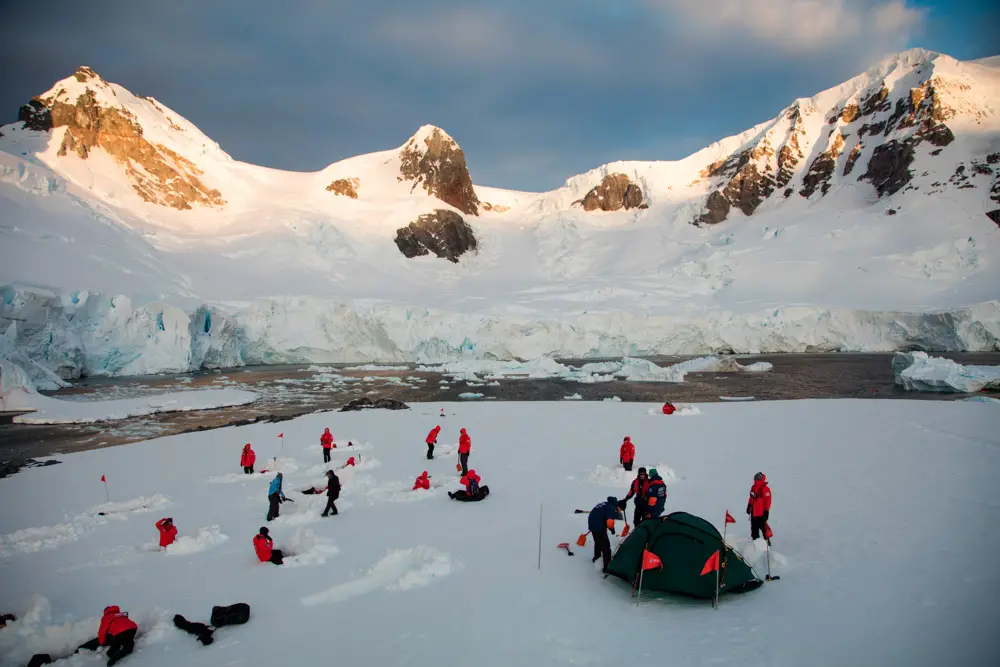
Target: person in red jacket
[464, 447]
[117, 631]
[264, 546]
[759, 506]
[168, 531]
[423, 482]
[431, 440]
[627, 453]
[473, 491]
[326, 440]
[247, 459]
[668, 408]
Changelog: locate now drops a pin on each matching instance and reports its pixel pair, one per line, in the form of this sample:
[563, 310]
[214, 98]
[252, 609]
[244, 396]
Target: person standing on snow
[168, 531]
[599, 522]
[464, 447]
[431, 440]
[656, 495]
[263, 545]
[759, 506]
[332, 493]
[247, 459]
[422, 482]
[117, 632]
[274, 496]
[627, 453]
[639, 489]
[326, 441]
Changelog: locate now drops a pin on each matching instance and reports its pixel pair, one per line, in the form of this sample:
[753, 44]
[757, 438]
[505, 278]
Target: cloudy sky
[533, 90]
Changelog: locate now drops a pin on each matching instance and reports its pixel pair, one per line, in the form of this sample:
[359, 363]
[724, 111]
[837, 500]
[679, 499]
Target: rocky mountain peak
[433, 159]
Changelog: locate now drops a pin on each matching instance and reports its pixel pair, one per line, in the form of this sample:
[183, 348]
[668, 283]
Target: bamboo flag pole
[539, 536]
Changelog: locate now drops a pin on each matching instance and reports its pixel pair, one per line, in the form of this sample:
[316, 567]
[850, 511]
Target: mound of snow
[308, 549]
[207, 537]
[618, 476]
[916, 371]
[400, 570]
[682, 410]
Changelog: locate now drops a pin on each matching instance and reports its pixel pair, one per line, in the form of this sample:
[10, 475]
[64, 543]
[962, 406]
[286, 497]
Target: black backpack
[234, 614]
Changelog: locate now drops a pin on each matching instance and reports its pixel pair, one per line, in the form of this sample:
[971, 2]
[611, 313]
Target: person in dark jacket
[332, 493]
[274, 496]
[639, 489]
[599, 522]
[656, 495]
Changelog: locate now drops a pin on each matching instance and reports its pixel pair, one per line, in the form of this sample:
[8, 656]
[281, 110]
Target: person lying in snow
[247, 459]
[263, 545]
[117, 632]
[759, 507]
[168, 531]
[668, 408]
[600, 520]
[274, 496]
[626, 454]
[326, 441]
[431, 440]
[423, 482]
[473, 491]
[656, 495]
[639, 489]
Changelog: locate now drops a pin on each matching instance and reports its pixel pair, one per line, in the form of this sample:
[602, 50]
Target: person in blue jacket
[603, 514]
[656, 495]
[275, 495]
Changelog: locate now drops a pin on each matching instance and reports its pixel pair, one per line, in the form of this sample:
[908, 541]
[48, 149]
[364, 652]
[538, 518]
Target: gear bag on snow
[234, 614]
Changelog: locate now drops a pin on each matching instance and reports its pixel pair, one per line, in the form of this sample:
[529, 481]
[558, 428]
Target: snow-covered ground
[884, 519]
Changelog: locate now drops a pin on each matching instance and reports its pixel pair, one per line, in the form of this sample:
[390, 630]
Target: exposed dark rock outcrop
[35, 116]
[615, 192]
[365, 403]
[345, 186]
[717, 209]
[853, 157]
[888, 168]
[433, 159]
[791, 153]
[750, 187]
[822, 168]
[442, 232]
[994, 215]
[495, 208]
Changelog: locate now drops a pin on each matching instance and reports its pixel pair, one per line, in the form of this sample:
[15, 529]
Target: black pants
[628, 465]
[121, 645]
[326, 455]
[602, 547]
[640, 512]
[430, 450]
[464, 496]
[272, 512]
[464, 459]
[277, 556]
[757, 524]
[331, 507]
[247, 470]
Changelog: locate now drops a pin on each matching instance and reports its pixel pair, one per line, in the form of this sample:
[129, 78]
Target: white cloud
[800, 26]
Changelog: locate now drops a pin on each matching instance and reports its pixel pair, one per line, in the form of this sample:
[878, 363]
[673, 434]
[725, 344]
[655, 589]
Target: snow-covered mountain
[865, 217]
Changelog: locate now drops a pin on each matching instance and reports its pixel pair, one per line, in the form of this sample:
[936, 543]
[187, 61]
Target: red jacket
[464, 443]
[668, 409]
[627, 452]
[760, 498]
[114, 622]
[639, 490]
[469, 478]
[423, 482]
[326, 439]
[263, 545]
[167, 533]
[248, 457]
[433, 435]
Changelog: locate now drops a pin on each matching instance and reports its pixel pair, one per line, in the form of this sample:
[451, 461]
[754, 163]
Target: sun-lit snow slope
[875, 568]
[299, 272]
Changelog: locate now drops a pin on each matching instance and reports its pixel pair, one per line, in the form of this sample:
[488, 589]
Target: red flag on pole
[650, 560]
[729, 517]
[281, 435]
[712, 564]
[767, 532]
[102, 479]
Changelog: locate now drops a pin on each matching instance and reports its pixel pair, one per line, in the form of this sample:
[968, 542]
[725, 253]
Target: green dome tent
[683, 542]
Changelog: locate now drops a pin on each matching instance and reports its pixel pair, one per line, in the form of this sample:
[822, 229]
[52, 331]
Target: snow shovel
[564, 545]
[582, 540]
[625, 530]
[458, 466]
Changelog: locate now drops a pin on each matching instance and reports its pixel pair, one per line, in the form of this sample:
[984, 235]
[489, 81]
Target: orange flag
[768, 534]
[650, 560]
[712, 564]
[729, 517]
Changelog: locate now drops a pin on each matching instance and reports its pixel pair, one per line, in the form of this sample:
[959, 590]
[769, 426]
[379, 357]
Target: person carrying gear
[422, 482]
[600, 520]
[168, 531]
[639, 489]
[274, 496]
[263, 545]
[247, 459]
[656, 495]
[117, 632]
[464, 447]
[332, 493]
[627, 453]
[759, 507]
[326, 441]
[431, 440]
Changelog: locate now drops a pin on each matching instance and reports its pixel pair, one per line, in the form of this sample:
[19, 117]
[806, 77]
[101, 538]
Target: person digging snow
[473, 492]
[326, 441]
[263, 545]
[168, 531]
[274, 496]
[640, 490]
[464, 448]
[117, 632]
[627, 453]
[656, 495]
[431, 440]
[599, 522]
[332, 493]
[422, 482]
[247, 459]
[759, 506]
[668, 408]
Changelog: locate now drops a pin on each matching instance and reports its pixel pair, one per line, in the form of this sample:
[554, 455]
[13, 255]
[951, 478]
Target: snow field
[883, 512]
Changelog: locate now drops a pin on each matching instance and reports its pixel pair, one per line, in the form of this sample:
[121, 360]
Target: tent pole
[640, 588]
[715, 600]
[539, 536]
